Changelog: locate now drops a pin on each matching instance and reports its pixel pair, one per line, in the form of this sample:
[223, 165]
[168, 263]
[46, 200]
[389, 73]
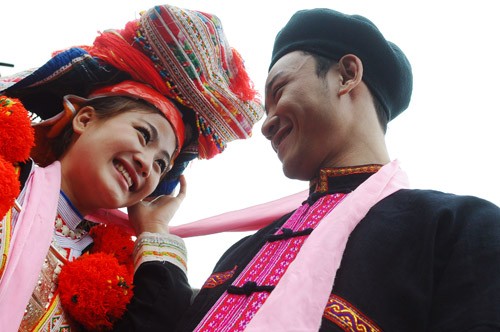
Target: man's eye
[145, 134]
[277, 90]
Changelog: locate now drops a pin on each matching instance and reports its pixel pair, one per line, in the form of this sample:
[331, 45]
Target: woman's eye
[145, 134]
[162, 164]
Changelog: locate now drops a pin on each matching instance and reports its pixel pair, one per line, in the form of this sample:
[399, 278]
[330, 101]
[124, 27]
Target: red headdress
[185, 55]
[49, 129]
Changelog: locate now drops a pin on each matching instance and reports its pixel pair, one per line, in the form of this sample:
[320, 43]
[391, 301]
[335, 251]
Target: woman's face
[117, 161]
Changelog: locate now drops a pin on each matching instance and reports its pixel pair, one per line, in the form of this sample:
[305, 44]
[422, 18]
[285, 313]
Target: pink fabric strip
[249, 219]
[30, 244]
[233, 312]
[307, 283]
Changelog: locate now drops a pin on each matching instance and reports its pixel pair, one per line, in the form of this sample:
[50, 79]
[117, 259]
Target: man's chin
[295, 173]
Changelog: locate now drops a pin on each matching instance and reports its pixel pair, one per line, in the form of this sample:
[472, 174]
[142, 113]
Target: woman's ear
[83, 118]
[351, 71]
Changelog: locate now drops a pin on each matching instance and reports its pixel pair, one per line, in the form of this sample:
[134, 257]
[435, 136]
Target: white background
[447, 140]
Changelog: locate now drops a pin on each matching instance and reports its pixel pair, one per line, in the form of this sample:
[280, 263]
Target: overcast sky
[447, 139]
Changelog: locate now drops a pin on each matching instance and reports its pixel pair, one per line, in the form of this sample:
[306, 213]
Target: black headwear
[326, 32]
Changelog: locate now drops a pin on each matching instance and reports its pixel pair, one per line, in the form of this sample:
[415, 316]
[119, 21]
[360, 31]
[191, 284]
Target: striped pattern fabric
[190, 60]
[160, 247]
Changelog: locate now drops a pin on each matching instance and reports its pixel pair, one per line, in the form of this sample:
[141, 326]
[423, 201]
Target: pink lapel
[30, 244]
[308, 281]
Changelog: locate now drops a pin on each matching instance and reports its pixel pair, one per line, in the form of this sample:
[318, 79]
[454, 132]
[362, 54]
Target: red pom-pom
[17, 135]
[9, 185]
[114, 240]
[95, 290]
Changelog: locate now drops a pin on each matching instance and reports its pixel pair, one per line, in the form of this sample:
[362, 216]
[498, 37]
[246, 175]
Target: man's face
[304, 119]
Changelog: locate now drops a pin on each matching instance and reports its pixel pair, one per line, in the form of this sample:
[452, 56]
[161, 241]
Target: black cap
[326, 32]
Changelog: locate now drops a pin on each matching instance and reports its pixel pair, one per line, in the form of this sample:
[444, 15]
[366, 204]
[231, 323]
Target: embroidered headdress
[48, 131]
[183, 54]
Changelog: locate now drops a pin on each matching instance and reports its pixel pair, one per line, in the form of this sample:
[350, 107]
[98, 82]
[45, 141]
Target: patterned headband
[185, 55]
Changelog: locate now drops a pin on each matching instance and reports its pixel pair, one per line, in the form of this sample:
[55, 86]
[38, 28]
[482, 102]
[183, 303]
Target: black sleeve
[467, 284]
[161, 294]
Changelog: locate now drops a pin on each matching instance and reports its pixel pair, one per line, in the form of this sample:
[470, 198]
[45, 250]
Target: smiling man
[363, 252]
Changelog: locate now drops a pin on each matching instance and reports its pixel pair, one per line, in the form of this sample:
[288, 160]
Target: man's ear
[351, 71]
[83, 118]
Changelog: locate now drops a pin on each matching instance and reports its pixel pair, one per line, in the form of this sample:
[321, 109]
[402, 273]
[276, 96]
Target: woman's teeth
[125, 174]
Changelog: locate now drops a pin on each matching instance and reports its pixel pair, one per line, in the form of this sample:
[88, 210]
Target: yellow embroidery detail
[346, 316]
[163, 253]
[324, 174]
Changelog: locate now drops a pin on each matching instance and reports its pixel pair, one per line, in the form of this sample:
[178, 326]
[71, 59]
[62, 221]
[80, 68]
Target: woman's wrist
[153, 227]
[153, 246]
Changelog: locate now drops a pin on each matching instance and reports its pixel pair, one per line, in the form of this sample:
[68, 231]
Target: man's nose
[270, 126]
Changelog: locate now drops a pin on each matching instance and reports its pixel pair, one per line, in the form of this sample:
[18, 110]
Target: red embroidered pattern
[348, 317]
[233, 312]
[217, 279]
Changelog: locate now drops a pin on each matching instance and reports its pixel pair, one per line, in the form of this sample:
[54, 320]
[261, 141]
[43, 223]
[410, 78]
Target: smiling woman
[112, 150]
[117, 124]
[120, 153]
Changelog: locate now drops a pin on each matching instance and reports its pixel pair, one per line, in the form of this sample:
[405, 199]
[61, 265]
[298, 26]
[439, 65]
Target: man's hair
[323, 65]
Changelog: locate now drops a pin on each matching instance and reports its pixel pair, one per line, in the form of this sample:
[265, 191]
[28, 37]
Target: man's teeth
[125, 174]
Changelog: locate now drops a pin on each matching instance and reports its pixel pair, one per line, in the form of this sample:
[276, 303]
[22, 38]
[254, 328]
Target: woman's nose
[270, 126]
[144, 164]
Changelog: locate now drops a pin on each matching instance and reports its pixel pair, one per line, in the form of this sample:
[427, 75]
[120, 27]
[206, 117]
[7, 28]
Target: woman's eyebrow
[154, 138]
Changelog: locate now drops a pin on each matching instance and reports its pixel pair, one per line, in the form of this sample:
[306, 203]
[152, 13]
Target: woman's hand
[154, 216]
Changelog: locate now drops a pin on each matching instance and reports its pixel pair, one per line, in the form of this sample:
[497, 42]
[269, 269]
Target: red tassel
[241, 84]
[116, 51]
[206, 147]
[96, 287]
[95, 290]
[17, 135]
[16, 141]
[113, 240]
[9, 184]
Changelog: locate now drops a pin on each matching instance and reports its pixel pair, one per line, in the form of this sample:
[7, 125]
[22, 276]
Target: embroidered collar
[342, 179]
[71, 230]
[68, 212]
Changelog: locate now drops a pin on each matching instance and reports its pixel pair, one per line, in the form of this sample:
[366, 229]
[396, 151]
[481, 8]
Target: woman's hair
[105, 108]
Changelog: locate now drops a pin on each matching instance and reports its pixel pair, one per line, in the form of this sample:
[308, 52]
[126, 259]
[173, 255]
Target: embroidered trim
[5, 235]
[48, 315]
[324, 174]
[5, 232]
[44, 311]
[164, 256]
[346, 316]
[217, 279]
[233, 312]
[156, 247]
[63, 229]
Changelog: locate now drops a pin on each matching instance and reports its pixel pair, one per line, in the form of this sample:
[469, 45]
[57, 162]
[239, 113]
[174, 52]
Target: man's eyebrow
[271, 82]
